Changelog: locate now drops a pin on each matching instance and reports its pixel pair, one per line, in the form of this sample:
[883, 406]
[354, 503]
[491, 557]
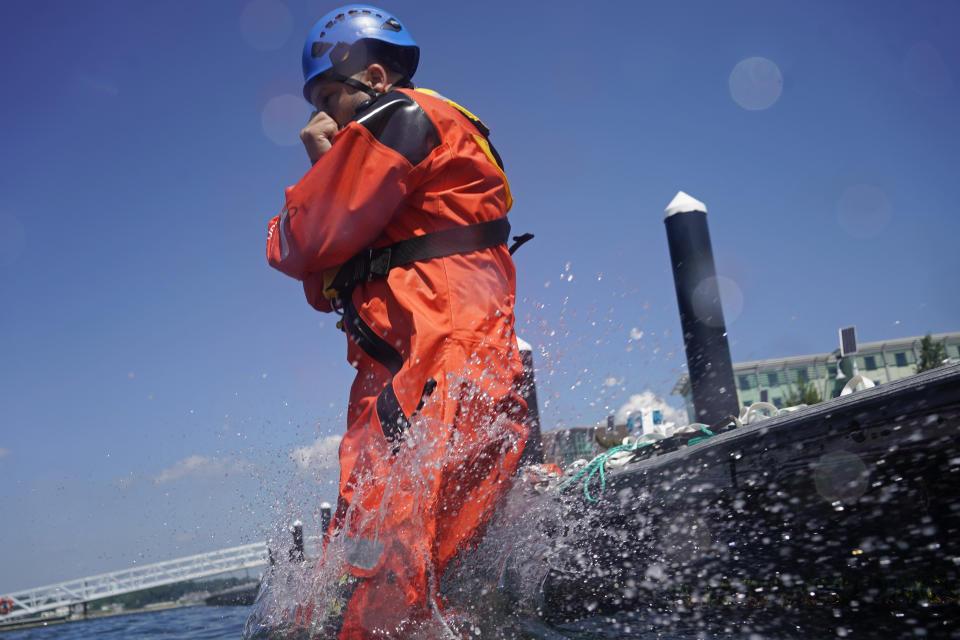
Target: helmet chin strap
[356, 84]
[367, 89]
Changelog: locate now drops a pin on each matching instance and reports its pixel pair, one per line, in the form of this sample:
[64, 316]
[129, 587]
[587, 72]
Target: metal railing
[203, 565]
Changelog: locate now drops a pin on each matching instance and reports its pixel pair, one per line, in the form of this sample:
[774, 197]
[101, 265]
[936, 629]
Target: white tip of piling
[324, 505]
[297, 523]
[682, 203]
[523, 344]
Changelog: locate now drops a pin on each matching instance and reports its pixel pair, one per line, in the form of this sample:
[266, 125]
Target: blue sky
[156, 374]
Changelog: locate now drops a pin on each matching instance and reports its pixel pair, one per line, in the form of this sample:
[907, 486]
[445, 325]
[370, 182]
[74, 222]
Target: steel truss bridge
[31, 602]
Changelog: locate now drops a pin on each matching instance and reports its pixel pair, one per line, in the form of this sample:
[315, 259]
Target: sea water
[187, 623]
[226, 623]
[222, 623]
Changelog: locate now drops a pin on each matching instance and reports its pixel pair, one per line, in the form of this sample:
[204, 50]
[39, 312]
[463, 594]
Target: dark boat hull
[850, 501]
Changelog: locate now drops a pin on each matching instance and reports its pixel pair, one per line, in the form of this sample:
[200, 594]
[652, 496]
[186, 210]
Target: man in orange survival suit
[400, 224]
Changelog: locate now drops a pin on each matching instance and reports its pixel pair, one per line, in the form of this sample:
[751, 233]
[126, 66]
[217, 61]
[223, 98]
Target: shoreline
[33, 623]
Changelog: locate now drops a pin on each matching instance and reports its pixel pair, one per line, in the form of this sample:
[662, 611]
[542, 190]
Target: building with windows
[563, 446]
[778, 379]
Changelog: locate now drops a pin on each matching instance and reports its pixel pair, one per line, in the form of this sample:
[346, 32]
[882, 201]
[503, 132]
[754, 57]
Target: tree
[805, 393]
[932, 354]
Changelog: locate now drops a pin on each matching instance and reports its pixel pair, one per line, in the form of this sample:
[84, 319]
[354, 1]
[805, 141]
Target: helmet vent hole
[391, 25]
[340, 53]
[320, 48]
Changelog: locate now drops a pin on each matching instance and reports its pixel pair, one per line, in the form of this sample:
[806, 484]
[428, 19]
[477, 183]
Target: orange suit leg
[405, 516]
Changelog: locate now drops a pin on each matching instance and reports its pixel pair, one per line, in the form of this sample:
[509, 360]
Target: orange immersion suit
[435, 425]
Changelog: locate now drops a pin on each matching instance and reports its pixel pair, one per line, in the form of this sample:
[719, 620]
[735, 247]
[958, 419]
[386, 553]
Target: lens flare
[863, 211]
[283, 116]
[756, 84]
[925, 70]
[266, 25]
[12, 241]
[841, 476]
[731, 301]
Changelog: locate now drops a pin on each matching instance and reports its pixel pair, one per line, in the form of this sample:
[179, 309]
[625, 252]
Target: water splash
[374, 535]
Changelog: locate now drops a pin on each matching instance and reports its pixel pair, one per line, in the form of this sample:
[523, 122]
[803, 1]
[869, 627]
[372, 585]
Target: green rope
[599, 463]
[694, 441]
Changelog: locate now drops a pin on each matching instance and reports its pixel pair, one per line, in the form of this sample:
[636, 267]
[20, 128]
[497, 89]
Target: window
[772, 379]
[870, 362]
[582, 442]
[745, 382]
[778, 403]
[901, 359]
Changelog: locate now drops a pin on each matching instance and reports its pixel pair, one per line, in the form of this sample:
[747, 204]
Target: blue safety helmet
[345, 38]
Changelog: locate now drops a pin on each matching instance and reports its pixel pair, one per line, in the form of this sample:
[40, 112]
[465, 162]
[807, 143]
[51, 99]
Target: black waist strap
[376, 263]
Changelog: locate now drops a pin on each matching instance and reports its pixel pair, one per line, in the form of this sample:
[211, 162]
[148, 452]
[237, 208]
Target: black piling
[701, 316]
[325, 517]
[296, 553]
[533, 452]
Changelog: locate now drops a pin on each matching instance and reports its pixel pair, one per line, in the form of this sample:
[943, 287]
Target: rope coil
[616, 457]
[623, 453]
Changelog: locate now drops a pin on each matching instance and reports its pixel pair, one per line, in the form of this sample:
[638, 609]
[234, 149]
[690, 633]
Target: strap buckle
[378, 263]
